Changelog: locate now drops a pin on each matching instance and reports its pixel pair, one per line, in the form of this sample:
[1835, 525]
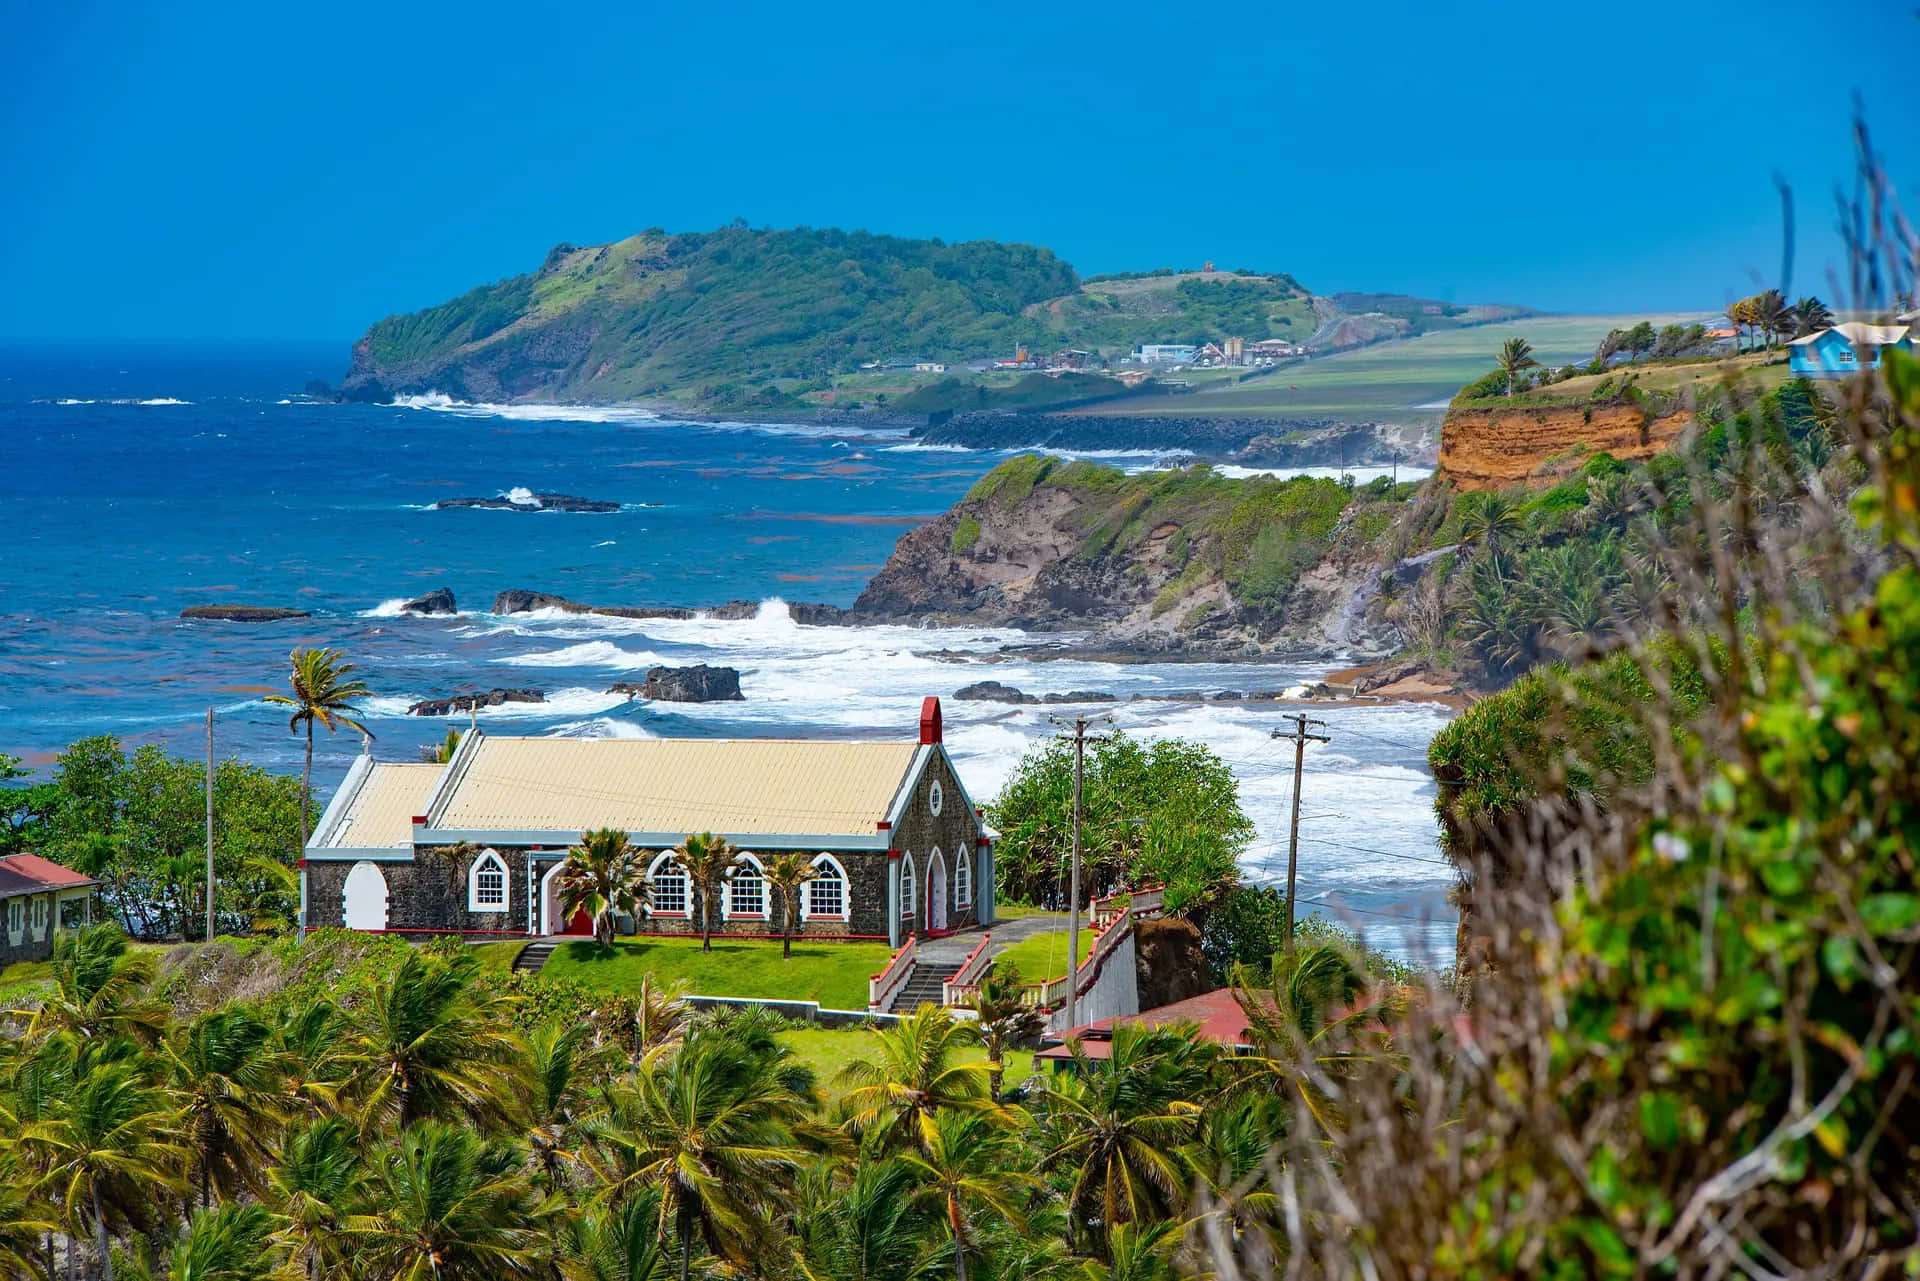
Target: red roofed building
[39, 900]
[1217, 1016]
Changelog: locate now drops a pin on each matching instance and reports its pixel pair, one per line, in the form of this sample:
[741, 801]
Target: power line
[1363, 849]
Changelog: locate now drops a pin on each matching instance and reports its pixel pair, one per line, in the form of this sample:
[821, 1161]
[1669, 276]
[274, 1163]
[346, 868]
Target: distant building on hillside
[1236, 350]
[929, 367]
[1165, 354]
[475, 846]
[1272, 350]
[1845, 349]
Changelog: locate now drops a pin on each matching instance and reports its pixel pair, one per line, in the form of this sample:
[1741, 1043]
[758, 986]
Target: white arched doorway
[936, 891]
[551, 920]
[363, 900]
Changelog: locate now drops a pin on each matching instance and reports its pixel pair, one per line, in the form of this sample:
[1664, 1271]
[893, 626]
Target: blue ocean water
[135, 482]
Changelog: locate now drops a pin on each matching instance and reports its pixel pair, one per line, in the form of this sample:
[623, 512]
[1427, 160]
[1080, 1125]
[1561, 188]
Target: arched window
[827, 892]
[668, 883]
[962, 878]
[363, 899]
[487, 883]
[747, 889]
[907, 897]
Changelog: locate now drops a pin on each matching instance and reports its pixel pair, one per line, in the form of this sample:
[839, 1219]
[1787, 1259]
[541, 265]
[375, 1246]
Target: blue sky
[299, 171]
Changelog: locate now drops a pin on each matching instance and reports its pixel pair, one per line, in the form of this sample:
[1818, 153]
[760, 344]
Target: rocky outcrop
[468, 702]
[1168, 962]
[516, 600]
[243, 613]
[1496, 447]
[521, 501]
[701, 684]
[437, 601]
[1256, 442]
[995, 692]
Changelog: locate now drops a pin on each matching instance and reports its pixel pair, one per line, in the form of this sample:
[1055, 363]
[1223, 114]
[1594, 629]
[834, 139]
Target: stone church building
[473, 846]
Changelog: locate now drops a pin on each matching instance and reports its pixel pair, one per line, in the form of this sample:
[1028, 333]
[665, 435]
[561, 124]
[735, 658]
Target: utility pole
[1078, 737]
[183, 927]
[1299, 737]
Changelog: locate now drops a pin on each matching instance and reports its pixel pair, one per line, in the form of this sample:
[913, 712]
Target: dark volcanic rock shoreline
[1258, 442]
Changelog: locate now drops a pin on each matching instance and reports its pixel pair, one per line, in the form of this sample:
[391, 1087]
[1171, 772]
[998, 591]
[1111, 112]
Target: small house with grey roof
[474, 846]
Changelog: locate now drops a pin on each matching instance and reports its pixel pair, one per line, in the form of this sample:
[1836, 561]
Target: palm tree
[1515, 355]
[1117, 1127]
[1137, 1252]
[323, 692]
[789, 873]
[309, 1038]
[659, 1017]
[1490, 518]
[913, 1076]
[425, 1046]
[1317, 1019]
[869, 1228]
[1741, 315]
[1810, 316]
[25, 1220]
[710, 862]
[560, 1060]
[715, 1126]
[1005, 1019]
[231, 1243]
[603, 875]
[622, 1243]
[99, 989]
[968, 1167]
[1772, 314]
[110, 1153]
[448, 1205]
[224, 1075]
[317, 1176]
[1232, 1200]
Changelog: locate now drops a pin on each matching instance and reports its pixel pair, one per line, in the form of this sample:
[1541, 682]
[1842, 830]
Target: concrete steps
[533, 956]
[923, 987]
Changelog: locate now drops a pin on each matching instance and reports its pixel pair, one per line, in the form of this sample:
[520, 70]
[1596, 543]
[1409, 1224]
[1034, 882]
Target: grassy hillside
[746, 318]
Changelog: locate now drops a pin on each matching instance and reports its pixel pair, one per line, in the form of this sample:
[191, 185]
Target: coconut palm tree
[1005, 1019]
[1317, 1018]
[1516, 354]
[1232, 1201]
[1810, 316]
[1116, 1128]
[788, 874]
[560, 1061]
[602, 876]
[111, 1152]
[1772, 313]
[911, 1076]
[310, 1038]
[1137, 1252]
[716, 1127]
[659, 1016]
[230, 1243]
[866, 1228]
[1490, 519]
[969, 1166]
[225, 1077]
[1741, 316]
[317, 1176]
[425, 1046]
[622, 1243]
[26, 1220]
[99, 989]
[323, 692]
[710, 862]
[448, 1205]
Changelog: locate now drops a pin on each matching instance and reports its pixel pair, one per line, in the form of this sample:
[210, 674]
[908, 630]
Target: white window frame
[962, 878]
[936, 797]
[666, 859]
[909, 900]
[728, 911]
[489, 858]
[807, 912]
[16, 920]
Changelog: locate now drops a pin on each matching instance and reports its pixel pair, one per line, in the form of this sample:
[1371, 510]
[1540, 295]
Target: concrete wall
[1115, 990]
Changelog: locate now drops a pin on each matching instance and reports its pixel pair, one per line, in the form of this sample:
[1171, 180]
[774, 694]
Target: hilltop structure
[1846, 349]
[474, 846]
[41, 900]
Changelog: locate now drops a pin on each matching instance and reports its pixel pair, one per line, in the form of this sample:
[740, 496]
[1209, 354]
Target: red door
[581, 923]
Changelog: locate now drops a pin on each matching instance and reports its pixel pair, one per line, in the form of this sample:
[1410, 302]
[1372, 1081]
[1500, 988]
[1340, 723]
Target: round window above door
[935, 795]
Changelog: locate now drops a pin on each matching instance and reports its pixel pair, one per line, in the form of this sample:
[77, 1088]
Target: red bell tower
[929, 720]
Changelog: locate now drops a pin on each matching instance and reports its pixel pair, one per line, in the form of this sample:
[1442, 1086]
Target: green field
[1403, 381]
[1044, 956]
[834, 974]
[828, 1050]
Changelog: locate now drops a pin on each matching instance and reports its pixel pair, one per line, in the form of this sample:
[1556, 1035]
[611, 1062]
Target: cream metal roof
[383, 810]
[738, 786]
[1859, 333]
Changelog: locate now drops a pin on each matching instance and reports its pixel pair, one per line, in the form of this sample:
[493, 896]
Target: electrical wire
[1362, 849]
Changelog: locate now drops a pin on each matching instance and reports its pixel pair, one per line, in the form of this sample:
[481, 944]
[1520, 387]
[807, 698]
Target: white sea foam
[586, 654]
[608, 543]
[1361, 475]
[577, 701]
[386, 608]
[439, 402]
[121, 400]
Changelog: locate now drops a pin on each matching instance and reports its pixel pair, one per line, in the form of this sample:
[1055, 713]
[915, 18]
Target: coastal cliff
[1498, 447]
[1179, 562]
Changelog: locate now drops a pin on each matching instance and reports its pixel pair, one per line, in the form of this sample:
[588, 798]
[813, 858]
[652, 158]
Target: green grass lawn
[1044, 956]
[834, 974]
[1014, 911]
[1392, 380]
[828, 1050]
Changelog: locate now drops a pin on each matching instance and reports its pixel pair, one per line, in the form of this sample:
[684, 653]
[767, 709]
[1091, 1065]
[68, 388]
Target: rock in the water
[735, 611]
[992, 692]
[522, 501]
[437, 601]
[702, 684]
[242, 613]
[517, 600]
[467, 702]
[811, 614]
[1080, 696]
